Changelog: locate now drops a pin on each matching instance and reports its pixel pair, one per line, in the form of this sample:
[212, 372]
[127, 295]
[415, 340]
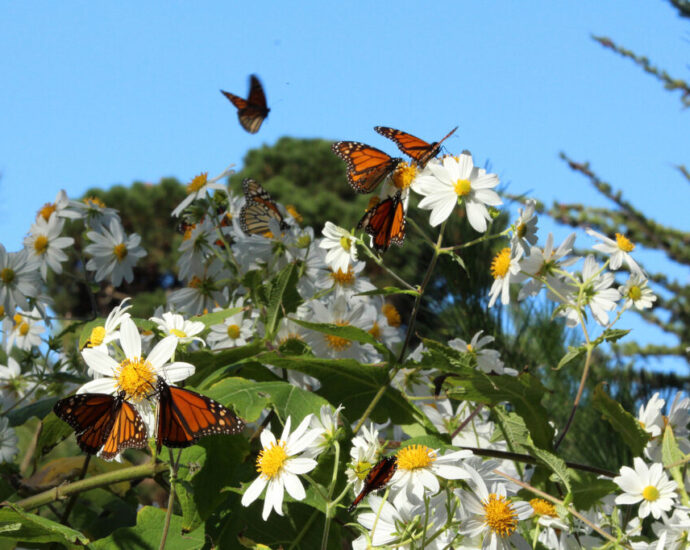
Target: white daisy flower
[546, 264]
[194, 250]
[456, 178]
[101, 336]
[61, 206]
[419, 468]
[19, 279]
[364, 454]
[45, 244]
[135, 375]
[185, 330]
[551, 526]
[202, 294]
[488, 360]
[525, 229]
[27, 330]
[341, 246]
[637, 293]
[346, 282]
[619, 251]
[8, 441]
[13, 385]
[675, 529]
[232, 332]
[650, 415]
[648, 485]
[491, 516]
[505, 269]
[199, 186]
[279, 463]
[94, 211]
[313, 266]
[113, 253]
[327, 426]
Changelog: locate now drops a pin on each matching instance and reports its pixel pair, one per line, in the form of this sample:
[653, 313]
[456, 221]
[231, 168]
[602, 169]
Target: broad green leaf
[388, 291]
[588, 489]
[184, 492]
[283, 297]
[431, 441]
[39, 409]
[671, 454]
[242, 395]
[217, 317]
[513, 428]
[63, 469]
[219, 364]
[146, 535]
[352, 384]
[621, 420]
[612, 335]
[291, 401]
[573, 353]
[36, 529]
[53, 431]
[553, 463]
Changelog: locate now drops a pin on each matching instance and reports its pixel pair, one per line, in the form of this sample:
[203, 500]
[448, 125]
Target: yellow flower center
[120, 251]
[136, 377]
[362, 469]
[23, 328]
[177, 332]
[634, 293]
[94, 202]
[462, 187]
[375, 331]
[415, 456]
[642, 424]
[344, 279]
[303, 241]
[233, 332]
[41, 244]
[17, 318]
[501, 263]
[650, 493]
[336, 342]
[96, 337]
[470, 349]
[345, 243]
[7, 275]
[293, 212]
[290, 336]
[197, 183]
[195, 282]
[270, 461]
[521, 230]
[267, 234]
[47, 210]
[499, 515]
[2, 311]
[403, 175]
[392, 315]
[624, 243]
[542, 507]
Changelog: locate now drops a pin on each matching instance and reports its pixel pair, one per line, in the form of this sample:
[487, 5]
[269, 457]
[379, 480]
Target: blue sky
[96, 94]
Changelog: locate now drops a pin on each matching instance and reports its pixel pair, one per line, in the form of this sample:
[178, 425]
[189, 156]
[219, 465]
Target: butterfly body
[104, 422]
[252, 111]
[380, 474]
[258, 210]
[417, 149]
[366, 165]
[185, 416]
[385, 222]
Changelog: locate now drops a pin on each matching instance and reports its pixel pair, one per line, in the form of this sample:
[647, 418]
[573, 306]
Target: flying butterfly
[185, 416]
[258, 210]
[366, 165]
[253, 110]
[378, 476]
[414, 147]
[104, 422]
[385, 222]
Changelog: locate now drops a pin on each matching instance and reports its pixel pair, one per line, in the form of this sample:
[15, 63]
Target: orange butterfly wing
[366, 165]
[380, 474]
[414, 147]
[185, 416]
[128, 431]
[385, 222]
[252, 111]
[258, 210]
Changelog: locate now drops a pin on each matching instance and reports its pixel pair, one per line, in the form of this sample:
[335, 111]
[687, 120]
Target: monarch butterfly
[421, 151]
[259, 210]
[185, 416]
[385, 222]
[378, 476]
[366, 165]
[103, 422]
[253, 110]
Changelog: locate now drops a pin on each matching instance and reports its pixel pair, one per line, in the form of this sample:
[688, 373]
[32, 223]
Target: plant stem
[304, 530]
[334, 477]
[171, 497]
[474, 413]
[62, 491]
[73, 498]
[585, 372]
[388, 270]
[570, 509]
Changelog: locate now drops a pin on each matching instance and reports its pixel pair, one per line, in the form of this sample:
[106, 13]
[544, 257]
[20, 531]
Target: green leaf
[85, 333]
[39, 409]
[53, 432]
[512, 428]
[553, 463]
[146, 535]
[621, 420]
[212, 366]
[671, 454]
[612, 335]
[573, 353]
[283, 297]
[291, 401]
[242, 395]
[217, 317]
[588, 489]
[352, 384]
[35, 529]
[388, 291]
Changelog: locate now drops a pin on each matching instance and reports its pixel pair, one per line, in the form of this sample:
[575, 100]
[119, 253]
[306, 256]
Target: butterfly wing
[252, 111]
[128, 431]
[385, 222]
[380, 474]
[91, 415]
[366, 165]
[258, 210]
[185, 416]
[414, 147]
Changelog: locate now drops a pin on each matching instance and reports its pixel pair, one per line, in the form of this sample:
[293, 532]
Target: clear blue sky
[95, 94]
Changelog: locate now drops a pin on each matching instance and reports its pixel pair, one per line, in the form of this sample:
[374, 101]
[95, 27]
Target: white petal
[300, 465]
[294, 486]
[254, 491]
[162, 352]
[100, 362]
[177, 371]
[100, 385]
[130, 339]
